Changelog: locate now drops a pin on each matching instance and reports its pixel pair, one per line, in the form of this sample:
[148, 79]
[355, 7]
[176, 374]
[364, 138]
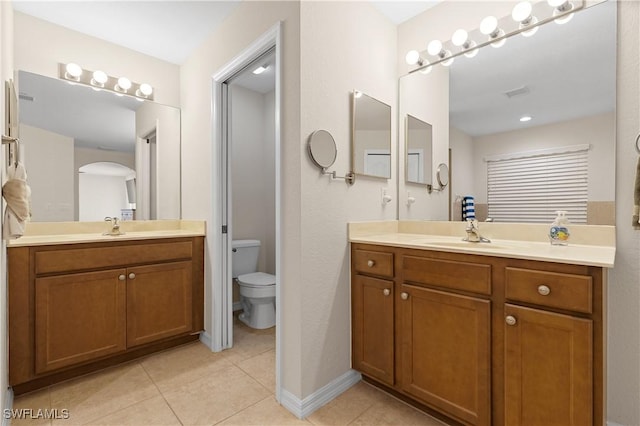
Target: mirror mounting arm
[349, 177]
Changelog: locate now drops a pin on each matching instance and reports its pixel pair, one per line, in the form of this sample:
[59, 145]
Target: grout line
[162, 395]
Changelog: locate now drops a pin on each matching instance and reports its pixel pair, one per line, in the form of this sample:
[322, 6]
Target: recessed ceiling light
[525, 118]
[260, 69]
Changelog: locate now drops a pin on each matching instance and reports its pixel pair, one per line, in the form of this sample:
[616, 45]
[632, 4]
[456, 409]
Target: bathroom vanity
[507, 334]
[83, 301]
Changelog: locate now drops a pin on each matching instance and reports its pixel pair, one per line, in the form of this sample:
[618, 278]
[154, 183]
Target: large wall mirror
[91, 154]
[542, 105]
[371, 137]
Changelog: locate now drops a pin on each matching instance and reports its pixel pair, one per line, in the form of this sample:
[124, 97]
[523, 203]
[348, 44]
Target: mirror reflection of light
[525, 118]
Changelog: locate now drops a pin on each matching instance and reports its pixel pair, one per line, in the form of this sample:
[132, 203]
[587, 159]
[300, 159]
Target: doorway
[227, 83]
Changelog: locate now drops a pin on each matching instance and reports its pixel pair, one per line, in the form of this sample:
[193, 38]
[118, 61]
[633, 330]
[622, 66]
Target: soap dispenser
[559, 231]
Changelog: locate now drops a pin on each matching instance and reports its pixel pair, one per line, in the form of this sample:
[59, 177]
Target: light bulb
[427, 69]
[434, 47]
[460, 37]
[413, 57]
[73, 71]
[145, 89]
[565, 18]
[499, 43]
[489, 25]
[521, 11]
[123, 85]
[532, 31]
[471, 52]
[99, 78]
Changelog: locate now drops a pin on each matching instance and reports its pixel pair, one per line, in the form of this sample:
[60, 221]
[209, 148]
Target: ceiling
[168, 30]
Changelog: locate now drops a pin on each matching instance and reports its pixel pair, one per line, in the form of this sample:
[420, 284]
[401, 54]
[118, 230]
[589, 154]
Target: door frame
[221, 319]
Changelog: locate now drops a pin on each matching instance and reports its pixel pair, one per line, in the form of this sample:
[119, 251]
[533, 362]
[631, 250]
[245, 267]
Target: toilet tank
[244, 259]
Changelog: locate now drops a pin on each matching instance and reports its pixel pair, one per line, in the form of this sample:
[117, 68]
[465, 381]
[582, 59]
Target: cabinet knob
[544, 290]
[122, 277]
[370, 263]
[132, 276]
[404, 295]
[510, 320]
[386, 292]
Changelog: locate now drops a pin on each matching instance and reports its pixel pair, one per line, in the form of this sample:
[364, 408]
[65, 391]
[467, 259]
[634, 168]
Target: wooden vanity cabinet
[479, 339]
[79, 307]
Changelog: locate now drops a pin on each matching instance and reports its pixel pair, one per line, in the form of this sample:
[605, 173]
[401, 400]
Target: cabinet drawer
[52, 261]
[552, 289]
[447, 273]
[373, 262]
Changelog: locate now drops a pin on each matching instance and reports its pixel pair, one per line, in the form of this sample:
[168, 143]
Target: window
[531, 186]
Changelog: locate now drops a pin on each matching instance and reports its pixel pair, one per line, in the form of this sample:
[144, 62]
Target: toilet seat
[257, 280]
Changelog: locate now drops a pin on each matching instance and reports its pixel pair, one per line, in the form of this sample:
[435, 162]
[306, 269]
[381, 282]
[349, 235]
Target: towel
[468, 208]
[636, 199]
[17, 194]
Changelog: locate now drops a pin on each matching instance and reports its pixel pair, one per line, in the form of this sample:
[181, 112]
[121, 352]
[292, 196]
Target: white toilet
[258, 289]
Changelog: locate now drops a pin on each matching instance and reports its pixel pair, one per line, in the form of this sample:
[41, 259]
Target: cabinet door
[446, 352]
[372, 314]
[548, 368]
[159, 302]
[79, 317]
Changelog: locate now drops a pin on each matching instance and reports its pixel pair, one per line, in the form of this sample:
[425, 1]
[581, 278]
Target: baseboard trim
[8, 405]
[303, 408]
[205, 338]
[237, 306]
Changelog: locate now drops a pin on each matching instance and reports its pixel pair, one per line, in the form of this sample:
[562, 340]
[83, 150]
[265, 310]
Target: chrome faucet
[473, 233]
[115, 226]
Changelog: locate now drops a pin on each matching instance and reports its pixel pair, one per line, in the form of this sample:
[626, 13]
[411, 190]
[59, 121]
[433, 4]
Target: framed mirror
[91, 154]
[418, 147]
[529, 105]
[371, 155]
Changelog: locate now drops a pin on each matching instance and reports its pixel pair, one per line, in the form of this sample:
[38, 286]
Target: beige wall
[6, 72]
[165, 122]
[597, 131]
[253, 174]
[435, 86]
[48, 159]
[623, 372]
[345, 46]
[248, 22]
[39, 46]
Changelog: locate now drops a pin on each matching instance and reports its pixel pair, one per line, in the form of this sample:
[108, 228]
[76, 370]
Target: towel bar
[9, 140]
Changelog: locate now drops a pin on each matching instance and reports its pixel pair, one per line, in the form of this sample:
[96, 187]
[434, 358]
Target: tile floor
[190, 385]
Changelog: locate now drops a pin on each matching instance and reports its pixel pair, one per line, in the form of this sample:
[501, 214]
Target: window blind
[530, 188]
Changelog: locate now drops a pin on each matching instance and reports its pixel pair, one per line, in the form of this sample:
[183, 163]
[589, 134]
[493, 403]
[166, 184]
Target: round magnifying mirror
[322, 148]
[442, 175]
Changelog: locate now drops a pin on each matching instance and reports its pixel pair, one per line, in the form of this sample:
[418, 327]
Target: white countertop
[595, 247]
[51, 233]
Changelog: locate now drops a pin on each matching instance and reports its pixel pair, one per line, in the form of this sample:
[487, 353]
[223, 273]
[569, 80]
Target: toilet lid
[257, 279]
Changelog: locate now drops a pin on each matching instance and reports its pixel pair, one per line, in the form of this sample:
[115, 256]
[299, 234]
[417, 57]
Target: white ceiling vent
[520, 91]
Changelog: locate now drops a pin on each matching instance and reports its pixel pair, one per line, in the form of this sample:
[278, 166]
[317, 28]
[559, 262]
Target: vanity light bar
[99, 80]
[562, 12]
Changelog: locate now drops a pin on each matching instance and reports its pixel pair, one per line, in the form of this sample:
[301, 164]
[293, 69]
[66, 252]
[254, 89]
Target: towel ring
[638, 144]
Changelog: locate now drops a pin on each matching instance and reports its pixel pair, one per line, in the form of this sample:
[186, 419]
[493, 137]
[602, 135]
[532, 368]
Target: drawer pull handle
[510, 320]
[370, 263]
[386, 292]
[404, 296]
[544, 290]
[122, 277]
[132, 276]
